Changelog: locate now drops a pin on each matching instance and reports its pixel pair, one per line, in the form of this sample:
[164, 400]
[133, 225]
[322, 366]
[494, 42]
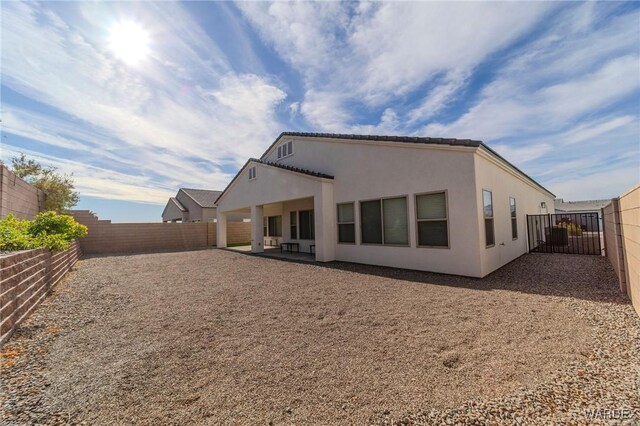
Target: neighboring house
[442, 205]
[584, 208]
[191, 205]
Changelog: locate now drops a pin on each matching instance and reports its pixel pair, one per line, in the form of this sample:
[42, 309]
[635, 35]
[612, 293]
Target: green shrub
[14, 234]
[52, 223]
[48, 229]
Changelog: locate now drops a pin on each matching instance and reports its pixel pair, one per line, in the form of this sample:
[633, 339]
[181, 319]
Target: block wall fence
[18, 197]
[621, 221]
[26, 278]
[105, 237]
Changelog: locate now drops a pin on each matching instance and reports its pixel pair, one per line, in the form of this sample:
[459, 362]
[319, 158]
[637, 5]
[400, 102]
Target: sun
[129, 42]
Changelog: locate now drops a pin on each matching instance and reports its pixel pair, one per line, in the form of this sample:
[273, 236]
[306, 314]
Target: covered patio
[292, 211]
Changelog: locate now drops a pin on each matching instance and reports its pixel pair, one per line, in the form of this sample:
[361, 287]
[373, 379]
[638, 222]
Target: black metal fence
[569, 233]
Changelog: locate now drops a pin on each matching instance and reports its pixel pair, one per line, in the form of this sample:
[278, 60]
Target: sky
[140, 99]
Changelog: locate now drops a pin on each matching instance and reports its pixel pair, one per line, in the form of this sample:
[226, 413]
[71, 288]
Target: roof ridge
[199, 189]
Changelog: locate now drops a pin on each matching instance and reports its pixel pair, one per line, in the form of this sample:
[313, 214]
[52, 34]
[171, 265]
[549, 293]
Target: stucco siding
[194, 211]
[207, 214]
[370, 171]
[503, 185]
[378, 170]
[172, 212]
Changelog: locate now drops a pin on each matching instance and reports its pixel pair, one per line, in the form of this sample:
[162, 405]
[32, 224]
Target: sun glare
[129, 42]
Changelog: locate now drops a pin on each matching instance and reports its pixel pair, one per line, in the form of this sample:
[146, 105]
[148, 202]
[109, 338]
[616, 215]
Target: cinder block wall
[18, 197]
[238, 232]
[26, 277]
[622, 241]
[105, 237]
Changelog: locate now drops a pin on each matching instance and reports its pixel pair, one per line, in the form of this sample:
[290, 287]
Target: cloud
[325, 110]
[438, 98]
[294, 109]
[548, 85]
[522, 154]
[433, 38]
[359, 53]
[184, 103]
[592, 130]
[600, 185]
[507, 108]
[99, 182]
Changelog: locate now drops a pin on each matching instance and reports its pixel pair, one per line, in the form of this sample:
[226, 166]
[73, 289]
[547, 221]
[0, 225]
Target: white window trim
[252, 173]
[446, 219]
[355, 239]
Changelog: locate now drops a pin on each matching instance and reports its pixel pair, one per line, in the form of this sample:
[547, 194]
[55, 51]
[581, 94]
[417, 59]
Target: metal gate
[569, 233]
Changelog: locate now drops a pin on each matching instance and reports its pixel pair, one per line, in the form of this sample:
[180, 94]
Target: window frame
[513, 215]
[355, 237]
[492, 218]
[446, 201]
[381, 199]
[285, 146]
[252, 173]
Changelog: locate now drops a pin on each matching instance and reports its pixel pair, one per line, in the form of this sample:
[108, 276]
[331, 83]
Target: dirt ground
[218, 337]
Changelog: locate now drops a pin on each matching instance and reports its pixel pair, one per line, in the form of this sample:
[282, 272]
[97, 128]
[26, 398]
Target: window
[264, 226]
[346, 223]
[514, 218]
[252, 172]
[384, 221]
[275, 226]
[285, 149]
[293, 225]
[307, 231]
[487, 205]
[431, 215]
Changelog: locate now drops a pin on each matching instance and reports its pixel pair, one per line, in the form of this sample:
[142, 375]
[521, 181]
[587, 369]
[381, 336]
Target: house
[582, 211]
[191, 205]
[443, 205]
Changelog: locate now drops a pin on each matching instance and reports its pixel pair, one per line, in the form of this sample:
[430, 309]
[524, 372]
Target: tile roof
[292, 169]
[203, 197]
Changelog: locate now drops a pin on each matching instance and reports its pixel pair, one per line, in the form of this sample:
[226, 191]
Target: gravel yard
[217, 337]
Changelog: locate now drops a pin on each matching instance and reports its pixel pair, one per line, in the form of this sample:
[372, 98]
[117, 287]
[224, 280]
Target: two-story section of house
[443, 205]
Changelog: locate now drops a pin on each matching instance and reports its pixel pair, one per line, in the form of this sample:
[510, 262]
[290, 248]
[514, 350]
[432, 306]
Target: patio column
[257, 231]
[324, 212]
[221, 230]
